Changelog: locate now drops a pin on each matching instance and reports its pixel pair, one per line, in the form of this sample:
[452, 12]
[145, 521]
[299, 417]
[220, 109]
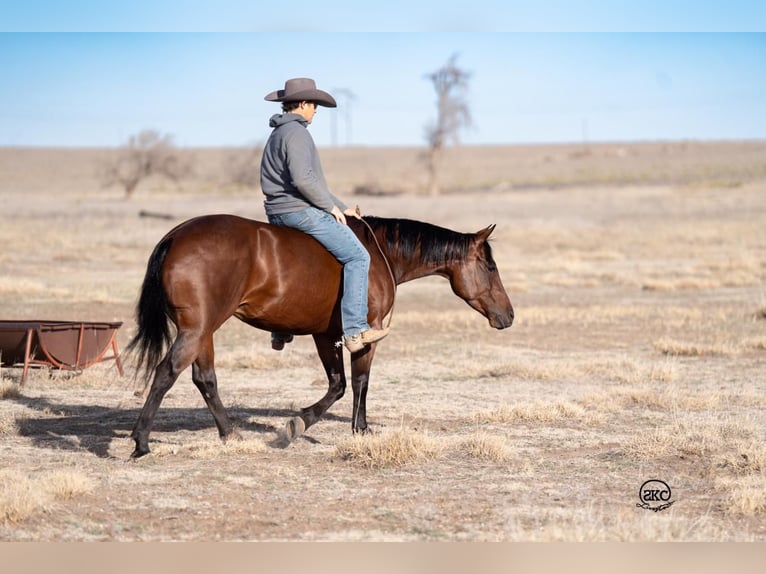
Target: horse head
[476, 280]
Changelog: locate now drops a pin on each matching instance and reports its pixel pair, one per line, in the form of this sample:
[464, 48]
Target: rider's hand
[338, 215]
[355, 212]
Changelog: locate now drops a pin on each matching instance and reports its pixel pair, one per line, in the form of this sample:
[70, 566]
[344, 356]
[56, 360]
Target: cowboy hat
[300, 89]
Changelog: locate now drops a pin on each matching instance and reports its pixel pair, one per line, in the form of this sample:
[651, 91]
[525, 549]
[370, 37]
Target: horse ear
[486, 232]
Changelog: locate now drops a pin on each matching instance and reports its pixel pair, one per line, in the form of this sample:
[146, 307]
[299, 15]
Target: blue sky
[78, 77]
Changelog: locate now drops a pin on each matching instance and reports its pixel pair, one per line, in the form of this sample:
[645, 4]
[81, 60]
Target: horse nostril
[501, 320]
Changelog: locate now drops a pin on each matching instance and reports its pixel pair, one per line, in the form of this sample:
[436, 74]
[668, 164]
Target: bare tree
[145, 154]
[452, 114]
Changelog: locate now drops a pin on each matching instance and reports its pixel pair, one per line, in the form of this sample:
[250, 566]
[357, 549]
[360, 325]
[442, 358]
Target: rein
[388, 265]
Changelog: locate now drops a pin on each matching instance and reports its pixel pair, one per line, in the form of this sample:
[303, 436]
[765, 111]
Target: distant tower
[347, 97]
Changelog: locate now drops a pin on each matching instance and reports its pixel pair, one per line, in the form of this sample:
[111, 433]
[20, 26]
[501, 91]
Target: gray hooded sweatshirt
[291, 173]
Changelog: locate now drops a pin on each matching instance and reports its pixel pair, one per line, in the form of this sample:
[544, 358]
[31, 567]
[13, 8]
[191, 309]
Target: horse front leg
[331, 356]
[361, 363]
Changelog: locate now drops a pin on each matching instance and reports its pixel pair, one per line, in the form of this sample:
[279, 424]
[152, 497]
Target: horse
[278, 279]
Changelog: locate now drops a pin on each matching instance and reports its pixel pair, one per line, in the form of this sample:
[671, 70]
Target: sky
[83, 73]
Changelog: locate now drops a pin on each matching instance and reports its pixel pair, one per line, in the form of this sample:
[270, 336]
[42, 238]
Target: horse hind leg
[180, 355]
[203, 376]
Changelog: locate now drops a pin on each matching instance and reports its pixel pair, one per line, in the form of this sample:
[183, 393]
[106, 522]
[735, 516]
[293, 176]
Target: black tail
[152, 314]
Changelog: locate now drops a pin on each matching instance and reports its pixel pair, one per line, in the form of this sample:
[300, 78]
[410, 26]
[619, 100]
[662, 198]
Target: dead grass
[745, 457]
[739, 474]
[658, 397]
[742, 278]
[24, 495]
[690, 436]
[259, 358]
[589, 315]
[676, 348]
[389, 449]
[10, 423]
[100, 376]
[538, 412]
[523, 369]
[9, 390]
[595, 524]
[650, 445]
[621, 370]
[743, 495]
[441, 320]
[484, 446]
[211, 449]
[756, 343]
[628, 370]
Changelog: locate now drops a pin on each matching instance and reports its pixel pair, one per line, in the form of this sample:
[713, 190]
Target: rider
[297, 196]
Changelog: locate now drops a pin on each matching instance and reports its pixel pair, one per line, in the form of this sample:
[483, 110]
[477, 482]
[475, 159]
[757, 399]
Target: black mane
[433, 244]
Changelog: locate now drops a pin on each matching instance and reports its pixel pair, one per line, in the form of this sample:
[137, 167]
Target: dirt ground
[637, 353]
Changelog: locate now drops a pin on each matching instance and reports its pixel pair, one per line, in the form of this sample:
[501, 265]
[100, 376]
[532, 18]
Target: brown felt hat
[300, 89]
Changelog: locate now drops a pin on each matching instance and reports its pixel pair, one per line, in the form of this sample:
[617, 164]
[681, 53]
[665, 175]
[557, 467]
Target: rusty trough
[67, 345]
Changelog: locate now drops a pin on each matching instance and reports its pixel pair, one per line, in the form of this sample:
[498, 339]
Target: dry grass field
[637, 273]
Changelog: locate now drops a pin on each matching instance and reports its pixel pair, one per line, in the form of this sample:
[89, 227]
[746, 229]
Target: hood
[281, 119]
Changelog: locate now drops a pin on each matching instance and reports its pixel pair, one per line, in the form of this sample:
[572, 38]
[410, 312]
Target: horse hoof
[294, 428]
[138, 453]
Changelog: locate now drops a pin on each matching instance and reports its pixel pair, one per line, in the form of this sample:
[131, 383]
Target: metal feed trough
[68, 345]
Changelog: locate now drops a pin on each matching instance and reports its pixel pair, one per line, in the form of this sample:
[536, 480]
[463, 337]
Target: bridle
[388, 265]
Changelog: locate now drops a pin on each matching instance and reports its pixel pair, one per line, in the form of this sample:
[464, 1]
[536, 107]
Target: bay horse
[212, 267]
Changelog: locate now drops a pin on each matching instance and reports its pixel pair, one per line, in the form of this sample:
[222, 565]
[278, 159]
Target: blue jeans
[339, 240]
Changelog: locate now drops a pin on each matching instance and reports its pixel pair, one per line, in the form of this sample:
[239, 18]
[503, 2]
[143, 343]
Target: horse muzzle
[501, 320]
